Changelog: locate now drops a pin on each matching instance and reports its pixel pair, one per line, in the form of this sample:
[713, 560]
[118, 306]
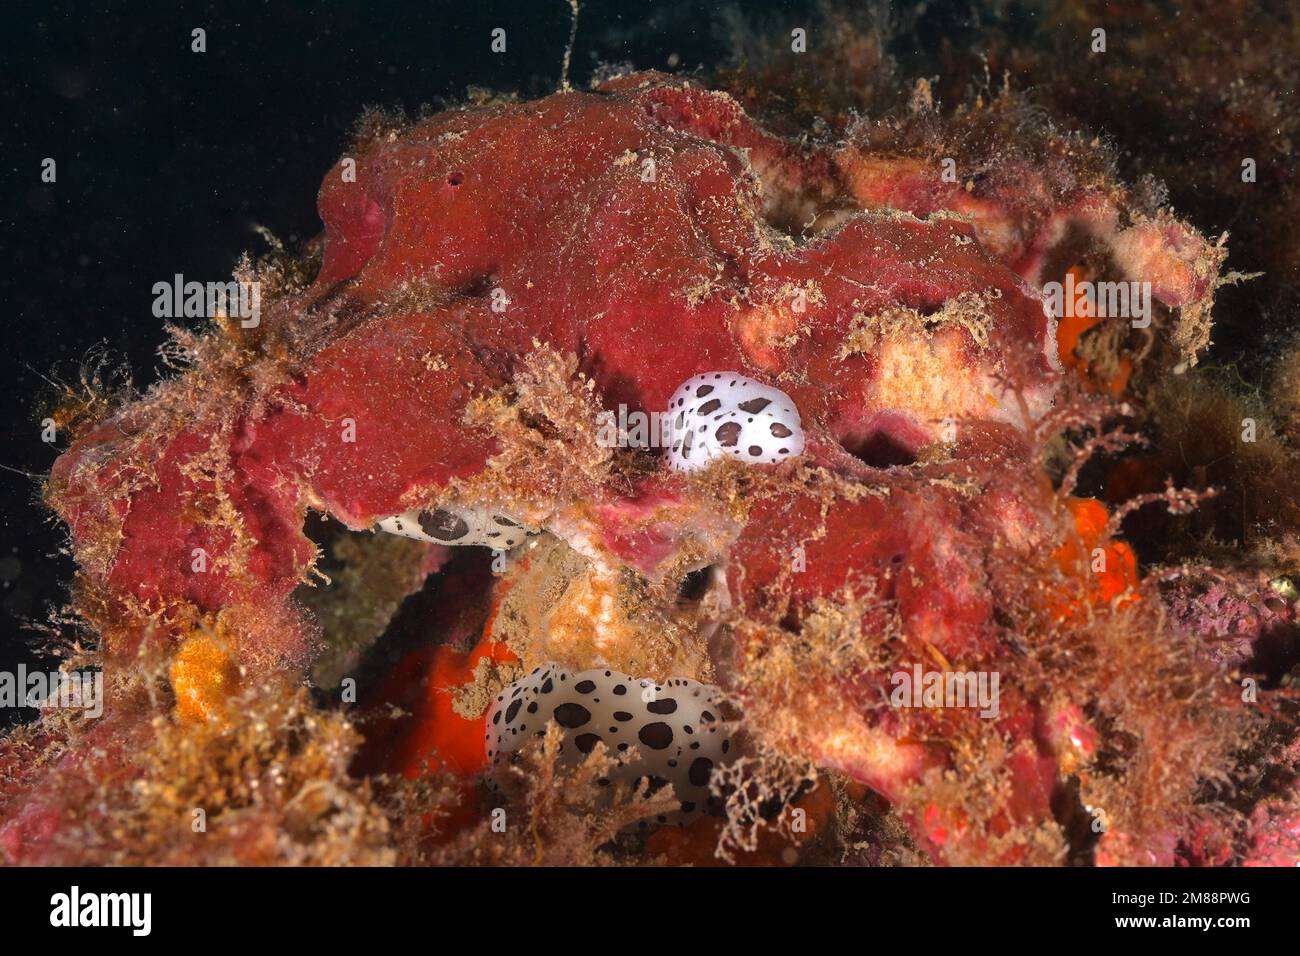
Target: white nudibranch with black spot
[671, 733]
[454, 525]
[723, 414]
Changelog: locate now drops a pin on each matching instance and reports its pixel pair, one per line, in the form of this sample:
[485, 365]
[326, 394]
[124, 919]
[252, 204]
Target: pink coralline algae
[493, 278]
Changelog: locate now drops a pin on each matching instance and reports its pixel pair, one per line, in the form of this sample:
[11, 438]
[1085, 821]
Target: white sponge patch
[671, 733]
[723, 414]
[453, 525]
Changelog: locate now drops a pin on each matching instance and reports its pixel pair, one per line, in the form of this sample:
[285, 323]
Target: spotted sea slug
[721, 414]
[454, 525]
[671, 731]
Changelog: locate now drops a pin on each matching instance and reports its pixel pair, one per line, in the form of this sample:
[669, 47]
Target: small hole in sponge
[882, 450]
[695, 585]
[455, 178]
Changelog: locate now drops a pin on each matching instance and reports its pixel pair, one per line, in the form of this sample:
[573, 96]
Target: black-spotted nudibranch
[726, 415]
[672, 733]
[454, 525]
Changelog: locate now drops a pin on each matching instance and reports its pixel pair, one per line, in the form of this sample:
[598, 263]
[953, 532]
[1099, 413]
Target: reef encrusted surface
[490, 281]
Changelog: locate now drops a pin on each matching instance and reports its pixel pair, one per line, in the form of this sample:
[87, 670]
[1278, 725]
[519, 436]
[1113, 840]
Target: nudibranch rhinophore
[669, 732]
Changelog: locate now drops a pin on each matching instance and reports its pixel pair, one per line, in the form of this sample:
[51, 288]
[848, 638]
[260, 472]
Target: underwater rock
[495, 277]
